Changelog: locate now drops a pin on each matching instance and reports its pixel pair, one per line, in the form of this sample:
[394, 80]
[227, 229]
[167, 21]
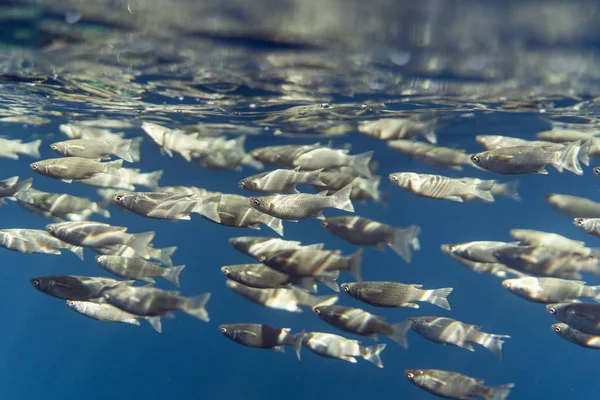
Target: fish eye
[580, 221]
[394, 178]
[241, 184]
[71, 302]
[557, 328]
[34, 167]
[345, 287]
[324, 224]
[119, 198]
[317, 310]
[226, 271]
[475, 158]
[36, 282]
[223, 329]
[262, 258]
[54, 147]
[552, 310]
[256, 202]
[50, 229]
[410, 375]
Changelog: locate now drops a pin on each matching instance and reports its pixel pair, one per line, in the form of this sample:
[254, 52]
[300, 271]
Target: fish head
[596, 171]
[243, 243]
[584, 224]
[39, 167]
[560, 328]
[58, 147]
[45, 284]
[227, 271]
[553, 309]
[227, 330]
[508, 283]
[262, 204]
[248, 184]
[75, 305]
[348, 287]
[123, 199]
[403, 179]
[412, 374]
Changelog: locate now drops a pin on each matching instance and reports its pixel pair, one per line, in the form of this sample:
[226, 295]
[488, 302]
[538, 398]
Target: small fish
[256, 246]
[530, 160]
[60, 205]
[545, 261]
[561, 135]
[497, 269]
[11, 188]
[573, 206]
[574, 336]
[74, 168]
[452, 332]
[35, 241]
[280, 180]
[588, 225]
[262, 336]
[434, 156]
[175, 141]
[492, 142]
[196, 192]
[73, 287]
[362, 188]
[452, 385]
[108, 313]
[12, 148]
[82, 131]
[550, 290]
[124, 178]
[584, 317]
[441, 187]
[539, 238]
[327, 158]
[162, 205]
[90, 148]
[360, 322]
[506, 189]
[163, 255]
[282, 156]
[335, 346]
[303, 205]
[153, 302]
[287, 299]
[480, 251]
[394, 294]
[363, 231]
[138, 268]
[399, 128]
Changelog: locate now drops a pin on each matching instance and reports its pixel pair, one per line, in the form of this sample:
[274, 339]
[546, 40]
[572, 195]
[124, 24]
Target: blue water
[48, 351]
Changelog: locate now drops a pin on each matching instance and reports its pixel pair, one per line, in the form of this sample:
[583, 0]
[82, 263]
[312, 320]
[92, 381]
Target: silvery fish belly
[441, 187]
[157, 205]
[73, 287]
[90, 148]
[74, 168]
[35, 241]
[335, 346]
[394, 294]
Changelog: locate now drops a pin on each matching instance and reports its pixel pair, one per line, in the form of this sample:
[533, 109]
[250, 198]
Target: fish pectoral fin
[254, 226]
[410, 305]
[349, 359]
[466, 346]
[320, 215]
[67, 180]
[279, 349]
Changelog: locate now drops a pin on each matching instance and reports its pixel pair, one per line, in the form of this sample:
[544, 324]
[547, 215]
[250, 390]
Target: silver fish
[550, 290]
[480, 251]
[573, 206]
[256, 246]
[362, 188]
[109, 313]
[280, 181]
[164, 205]
[282, 156]
[303, 205]
[434, 156]
[539, 238]
[262, 336]
[83, 131]
[124, 178]
[35, 241]
[11, 188]
[399, 128]
[335, 346]
[12, 148]
[74, 168]
[74, 287]
[395, 294]
[588, 225]
[441, 187]
[327, 158]
[506, 189]
[89, 148]
[492, 142]
[163, 255]
[138, 268]
[60, 205]
[497, 269]
[574, 336]
[581, 316]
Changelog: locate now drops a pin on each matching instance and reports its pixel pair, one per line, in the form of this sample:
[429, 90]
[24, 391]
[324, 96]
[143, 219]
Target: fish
[302, 205]
[280, 181]
[60, 205]
[170, 141]
[74, 168]
[12, 148]
[529, 159]
[588, 225]
[573, 206]
[577, 337]
[282, 156]
[359, 322]
[164, 205]
[327, 158]
[11, 189]
[256, 246]
[138, 268]
[480, 251]
[79, 130]
[399, 128]
[435, 156]
[548, 239]
[449, 331]
[163, 255]
[74, 287]
[584, 317]
[96, 148]
[124, 178]
[551, 290]
[442, 187]
[153, 302]
[336, 346]
[35, 241]
[561, 135]
[497, 269]
[262, 336]
[96, 234]
[453, 385]
[109, 313]
[395, 294]
[492, 142]
[305, 262]
[285, 298]
[507, 189]
[363, 231]
[362, 188]
[197, 192]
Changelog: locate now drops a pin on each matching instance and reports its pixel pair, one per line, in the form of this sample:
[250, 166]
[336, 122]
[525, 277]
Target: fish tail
[172, 274]
[498, 392]
[360, 163]
[511, 190]
[276, 224]
[355, 268]
[568, 158]
[112, 165]
[372, 353]
[492, 342]
[251, 162]
[439, 297]
[155, 323]
[371, 187]
[330, 280]
[22, 190]
[136, 143]
[404, 239]
[584, 153]
[196, 306]
[150, 179]
[317, 301]
[209, 208]
[400, 331]
[99, 210]
[124, 150]
[307, 283]
[296, 342]
[140, 242]
[77, 250]
[163, 255]
[341, 199]
[32, 148]
[482, 190]
[312, 177]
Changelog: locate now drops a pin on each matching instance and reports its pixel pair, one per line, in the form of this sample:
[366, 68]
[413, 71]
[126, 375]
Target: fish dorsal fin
[323, 193]
[416, 285]
[297, 169]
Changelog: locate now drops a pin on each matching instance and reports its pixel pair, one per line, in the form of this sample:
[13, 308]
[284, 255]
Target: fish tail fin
[372, 353]
[317, 301]
[124, 150]
[482, 190]
[360, 163]
[341, 199]
[196, 306]
[511, 190]
[584, 153]
[439, 298]
[113, 165]
[155, 323]
[355, 268]
[296, 343]
[312, 177]
[77, 250]
[371, 187]
[307, 283]
[150, 179]
[400, 331]
[276, 224]
[209, 208]
[22, 190]
[140, 242]
[498, 392]
[492, 342]
[404, 239]
[100, 210]
[330, 280]
[136, 143]
[32, 148]
[568, 158]
[172, 274]
[163, 255]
